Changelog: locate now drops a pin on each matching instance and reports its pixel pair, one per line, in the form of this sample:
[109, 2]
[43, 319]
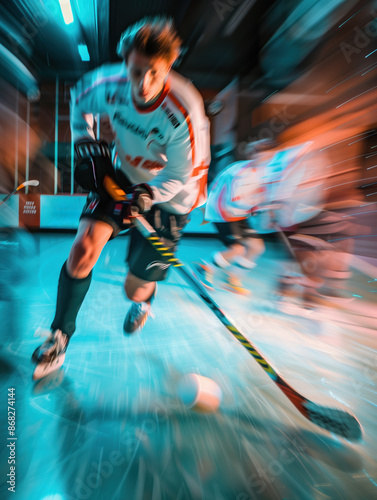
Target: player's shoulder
[179, 83]
[112, 72]
[106, 74]
[184, 95]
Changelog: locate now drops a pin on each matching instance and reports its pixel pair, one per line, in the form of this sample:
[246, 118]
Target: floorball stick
[334, 420]
[21, 186]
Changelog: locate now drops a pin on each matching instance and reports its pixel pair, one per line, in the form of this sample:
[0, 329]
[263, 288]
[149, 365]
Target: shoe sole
[247, 268]
[44, 369]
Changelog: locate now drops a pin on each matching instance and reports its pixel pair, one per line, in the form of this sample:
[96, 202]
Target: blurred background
[292, 70]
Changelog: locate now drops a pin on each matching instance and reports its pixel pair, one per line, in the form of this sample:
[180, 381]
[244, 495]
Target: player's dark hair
[153, 37]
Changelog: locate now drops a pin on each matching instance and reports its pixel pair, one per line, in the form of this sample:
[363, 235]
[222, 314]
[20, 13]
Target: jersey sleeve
[187, 151]
[178, 169]
[87, 100]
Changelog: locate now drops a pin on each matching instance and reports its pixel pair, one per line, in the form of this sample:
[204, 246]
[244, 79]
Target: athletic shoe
[138, 314]
[245, 263]
[50, 355]
[219, 260]
[233, 284]
[204, 273]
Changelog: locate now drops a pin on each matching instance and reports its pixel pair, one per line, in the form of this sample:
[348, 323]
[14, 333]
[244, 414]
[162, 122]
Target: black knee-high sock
[71, 294]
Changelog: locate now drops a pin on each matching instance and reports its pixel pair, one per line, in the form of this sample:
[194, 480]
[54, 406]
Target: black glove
[142, 199]
[122, 212]
[93, 163]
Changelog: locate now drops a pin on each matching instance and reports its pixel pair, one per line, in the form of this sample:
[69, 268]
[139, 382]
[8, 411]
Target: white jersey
[166, 145]
[288, 180]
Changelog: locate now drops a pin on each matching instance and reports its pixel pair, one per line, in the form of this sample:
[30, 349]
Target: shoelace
[138, 308]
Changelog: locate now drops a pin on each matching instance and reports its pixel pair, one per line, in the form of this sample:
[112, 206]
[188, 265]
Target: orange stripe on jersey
[202, 186]
[197, 169]
[221, 207]
[188, 121]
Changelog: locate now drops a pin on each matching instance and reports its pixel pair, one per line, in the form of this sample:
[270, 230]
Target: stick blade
[31, 183]
[333, 420]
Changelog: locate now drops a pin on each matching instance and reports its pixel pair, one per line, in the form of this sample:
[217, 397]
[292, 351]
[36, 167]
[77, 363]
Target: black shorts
[143, 259]
[235, 232]
[98, 208]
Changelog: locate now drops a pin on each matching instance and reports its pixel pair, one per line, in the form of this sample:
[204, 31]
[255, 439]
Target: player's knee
[131, 291]
[132, 296]
[82, 257]
[138, 290]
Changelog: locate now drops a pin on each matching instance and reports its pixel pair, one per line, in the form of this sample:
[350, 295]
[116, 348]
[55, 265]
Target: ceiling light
[65, 5]
[83, 51]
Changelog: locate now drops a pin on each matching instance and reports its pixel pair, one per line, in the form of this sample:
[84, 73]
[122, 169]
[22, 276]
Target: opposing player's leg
[227, 257]
[230, 234]
[146, 267]
[74, 282]
[205, 271]
[255, 247]
[233, 236]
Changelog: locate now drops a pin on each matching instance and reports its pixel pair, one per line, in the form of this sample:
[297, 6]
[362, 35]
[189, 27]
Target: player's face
[147, 76]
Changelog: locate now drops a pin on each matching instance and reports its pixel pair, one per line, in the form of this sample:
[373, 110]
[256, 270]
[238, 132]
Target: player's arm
[92, 157]
[187, 151]
[169, 181]
[179, 167]
[88, 98]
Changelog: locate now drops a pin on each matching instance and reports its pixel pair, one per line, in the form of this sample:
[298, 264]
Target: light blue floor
[110, 425]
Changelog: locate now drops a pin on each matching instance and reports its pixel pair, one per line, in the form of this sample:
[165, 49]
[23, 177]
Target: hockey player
[278, 188]
[242, 244]
[160, 157]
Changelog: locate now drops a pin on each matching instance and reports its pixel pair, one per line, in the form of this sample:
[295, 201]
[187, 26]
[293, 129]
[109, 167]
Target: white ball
[199, 393]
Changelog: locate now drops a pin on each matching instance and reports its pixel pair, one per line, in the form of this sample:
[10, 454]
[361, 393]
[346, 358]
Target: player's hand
[142, 199]
[120, 212]
[93, 163]
[123, 211]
